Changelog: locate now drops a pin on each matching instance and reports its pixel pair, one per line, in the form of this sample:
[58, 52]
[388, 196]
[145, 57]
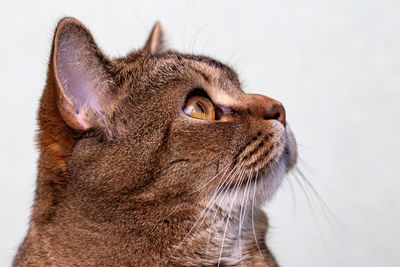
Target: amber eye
[199, 107]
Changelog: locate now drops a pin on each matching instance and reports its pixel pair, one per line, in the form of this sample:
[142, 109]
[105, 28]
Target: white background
[335, 64]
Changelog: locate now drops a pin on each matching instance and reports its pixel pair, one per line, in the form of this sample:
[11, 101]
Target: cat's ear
[80, 69]
[155, 42]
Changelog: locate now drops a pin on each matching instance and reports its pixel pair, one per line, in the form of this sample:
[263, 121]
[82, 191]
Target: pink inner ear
[79, 72]
[81, 120]
[78, 86]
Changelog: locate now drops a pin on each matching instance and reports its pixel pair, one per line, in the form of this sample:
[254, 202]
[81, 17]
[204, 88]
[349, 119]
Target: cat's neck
[184, 240]
[233, 238]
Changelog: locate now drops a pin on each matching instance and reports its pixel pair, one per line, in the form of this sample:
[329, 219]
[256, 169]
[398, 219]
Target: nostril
[274, 117]
[277, 113]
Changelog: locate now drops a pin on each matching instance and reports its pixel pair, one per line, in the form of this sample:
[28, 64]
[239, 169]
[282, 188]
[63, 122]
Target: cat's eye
[199, 107]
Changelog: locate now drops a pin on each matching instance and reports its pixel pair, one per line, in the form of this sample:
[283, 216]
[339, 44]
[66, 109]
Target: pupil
[200, 107]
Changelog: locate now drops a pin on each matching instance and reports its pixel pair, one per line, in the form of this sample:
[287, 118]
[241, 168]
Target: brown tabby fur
[124, 179]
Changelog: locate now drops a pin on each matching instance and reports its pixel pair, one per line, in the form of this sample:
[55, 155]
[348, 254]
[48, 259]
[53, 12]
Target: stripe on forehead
[220, 90]
[224, 70]
[224, 83]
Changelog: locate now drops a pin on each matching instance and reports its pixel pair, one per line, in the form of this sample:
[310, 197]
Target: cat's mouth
[258, 169]
[266, 158]
[265, 149]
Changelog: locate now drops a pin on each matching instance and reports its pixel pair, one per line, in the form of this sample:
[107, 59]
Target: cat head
[155, 125]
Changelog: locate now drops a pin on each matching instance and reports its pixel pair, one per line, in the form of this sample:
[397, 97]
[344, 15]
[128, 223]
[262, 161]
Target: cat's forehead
[206, 63]
[218, 78]
[207, 67]
[175, 73]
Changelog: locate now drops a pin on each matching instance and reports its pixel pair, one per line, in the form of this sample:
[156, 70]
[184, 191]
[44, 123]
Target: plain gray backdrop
[335, 64]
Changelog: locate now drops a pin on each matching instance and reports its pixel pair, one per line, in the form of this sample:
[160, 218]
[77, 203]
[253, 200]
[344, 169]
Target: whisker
[252, 217]
[238, 183]
[329, 215]
[310, 203]
[208, 207]
[205, 216]
[241, 217]
[216, 212]
[210, 230]
[201, 215]
[193, 40]
[312, 171]
[171, 213]
[224, 169]
[219, 203]
[315, 191]
[292, 193]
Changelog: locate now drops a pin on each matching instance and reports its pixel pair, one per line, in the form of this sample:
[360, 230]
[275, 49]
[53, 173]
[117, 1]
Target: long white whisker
[219, 203]
[329, 215]
[229, 213]
[210, 206]
[252, 217]
[310, 203]
[292, 193]
[214, 198]
[215, 215]
[241, 217]
[201, 215]
[317, 195]
[224, 169]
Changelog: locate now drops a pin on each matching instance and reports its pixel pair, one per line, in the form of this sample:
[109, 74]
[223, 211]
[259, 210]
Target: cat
[157, 158]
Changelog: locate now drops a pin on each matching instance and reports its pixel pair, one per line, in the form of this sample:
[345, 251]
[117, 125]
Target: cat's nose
[266, 108]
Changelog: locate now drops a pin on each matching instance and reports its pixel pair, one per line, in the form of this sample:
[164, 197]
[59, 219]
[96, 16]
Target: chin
[268, 181]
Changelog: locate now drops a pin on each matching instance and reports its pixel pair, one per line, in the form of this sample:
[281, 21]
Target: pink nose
[276, 112]
[264, 107]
